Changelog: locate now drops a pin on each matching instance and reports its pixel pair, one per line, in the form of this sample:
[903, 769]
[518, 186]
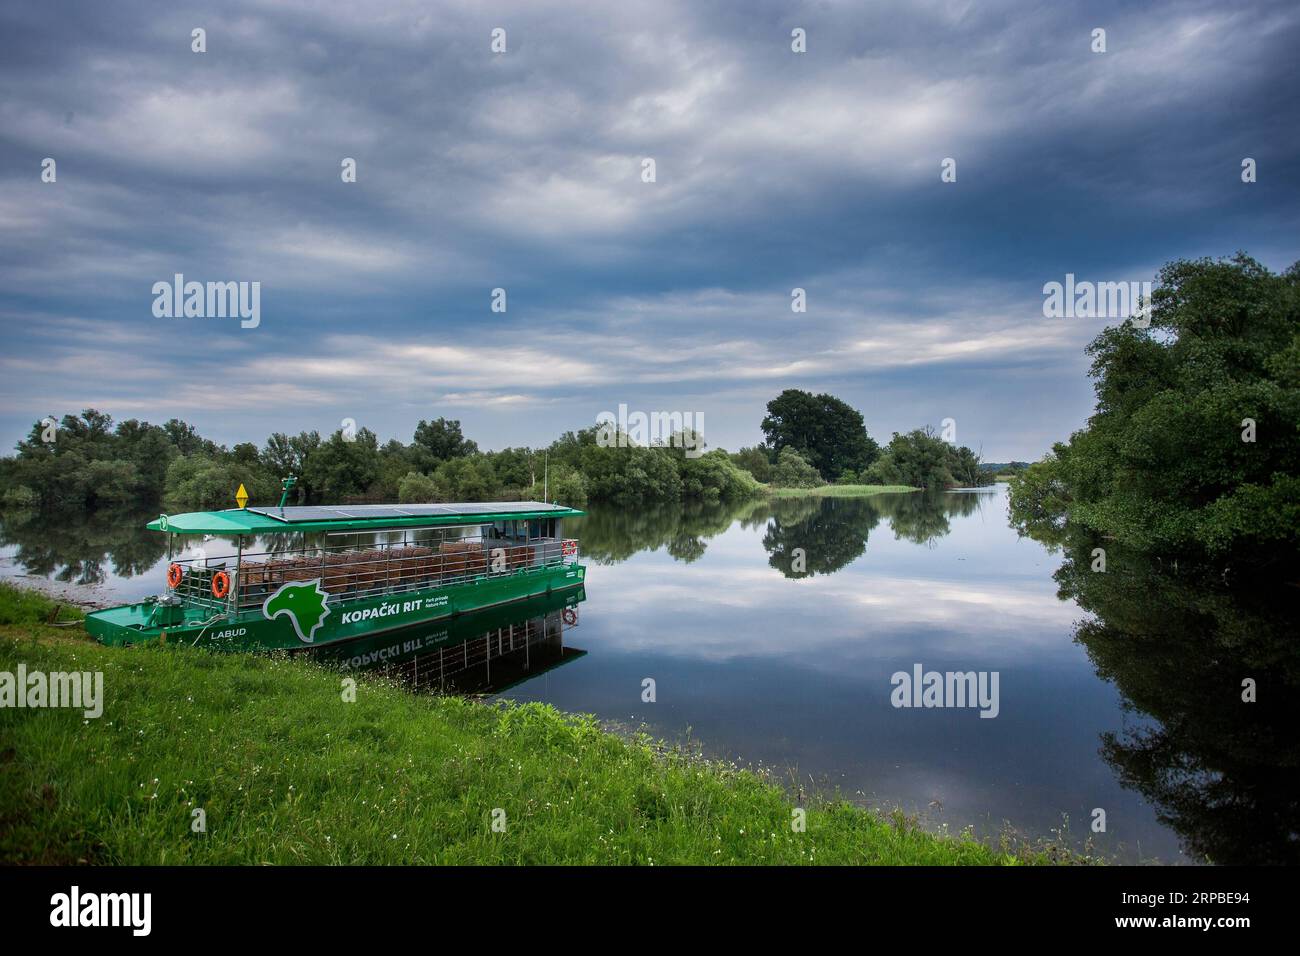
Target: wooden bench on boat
[398, 567]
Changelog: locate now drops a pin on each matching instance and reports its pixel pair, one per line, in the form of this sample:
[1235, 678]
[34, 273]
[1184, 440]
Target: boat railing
[357, 573]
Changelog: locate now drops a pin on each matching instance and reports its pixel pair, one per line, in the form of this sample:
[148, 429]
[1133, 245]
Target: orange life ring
[220, 585]
[174, 574]
[570, 616]
[570, 547]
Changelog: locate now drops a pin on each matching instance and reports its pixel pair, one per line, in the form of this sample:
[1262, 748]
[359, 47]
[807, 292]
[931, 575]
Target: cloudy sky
[523, 171]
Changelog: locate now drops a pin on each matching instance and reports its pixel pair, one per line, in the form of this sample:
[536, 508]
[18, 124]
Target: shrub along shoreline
[284, 771]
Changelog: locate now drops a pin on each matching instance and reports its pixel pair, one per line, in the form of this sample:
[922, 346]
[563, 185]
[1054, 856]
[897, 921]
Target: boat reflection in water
[482, 652]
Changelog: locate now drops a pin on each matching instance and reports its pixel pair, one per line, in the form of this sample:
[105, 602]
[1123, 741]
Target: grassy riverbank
[286, 772]
[838, 491]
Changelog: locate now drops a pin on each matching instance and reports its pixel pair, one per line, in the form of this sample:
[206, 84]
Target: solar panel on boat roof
[299, 513]
[493, 507]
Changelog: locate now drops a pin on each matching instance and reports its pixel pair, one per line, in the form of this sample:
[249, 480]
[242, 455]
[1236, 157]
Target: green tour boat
[337, 572]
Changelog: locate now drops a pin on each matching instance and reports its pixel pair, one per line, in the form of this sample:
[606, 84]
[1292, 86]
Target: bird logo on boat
[304, 602]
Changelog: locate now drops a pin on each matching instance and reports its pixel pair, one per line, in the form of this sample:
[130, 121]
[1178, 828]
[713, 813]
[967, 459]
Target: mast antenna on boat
[546, 473]
[286, 484]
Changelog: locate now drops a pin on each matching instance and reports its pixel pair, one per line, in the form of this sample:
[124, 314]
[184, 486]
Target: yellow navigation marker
[241, 496]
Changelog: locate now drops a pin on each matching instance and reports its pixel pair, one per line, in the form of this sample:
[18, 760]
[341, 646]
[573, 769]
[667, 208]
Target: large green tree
[441, 440]
[284, 455]
[1194, 447]
[828, 433]
[344, 465]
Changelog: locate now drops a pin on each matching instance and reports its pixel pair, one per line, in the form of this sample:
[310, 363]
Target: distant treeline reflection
[832, 532]
[80, 548]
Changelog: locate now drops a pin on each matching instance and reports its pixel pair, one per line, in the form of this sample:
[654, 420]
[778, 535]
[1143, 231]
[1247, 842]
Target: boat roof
[271, 520]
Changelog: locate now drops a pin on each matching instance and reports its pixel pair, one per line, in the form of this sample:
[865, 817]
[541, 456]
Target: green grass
[25, 606]
[838, 491]
[287, 772]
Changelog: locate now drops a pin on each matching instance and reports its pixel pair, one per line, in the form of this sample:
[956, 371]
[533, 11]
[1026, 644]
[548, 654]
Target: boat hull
[278, 625]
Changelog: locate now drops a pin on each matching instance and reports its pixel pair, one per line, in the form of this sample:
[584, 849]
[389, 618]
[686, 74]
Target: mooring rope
[206, 624]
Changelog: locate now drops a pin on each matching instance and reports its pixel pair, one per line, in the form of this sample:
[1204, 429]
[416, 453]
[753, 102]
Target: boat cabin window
[531, 529]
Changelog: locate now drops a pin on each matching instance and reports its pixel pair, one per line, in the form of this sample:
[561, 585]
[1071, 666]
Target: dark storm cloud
[522, 171]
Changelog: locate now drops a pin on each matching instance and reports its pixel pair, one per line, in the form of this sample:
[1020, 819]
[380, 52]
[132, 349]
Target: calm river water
[772, 630]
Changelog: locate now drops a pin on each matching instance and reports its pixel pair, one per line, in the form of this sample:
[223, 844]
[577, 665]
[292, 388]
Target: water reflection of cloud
[750, 611]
